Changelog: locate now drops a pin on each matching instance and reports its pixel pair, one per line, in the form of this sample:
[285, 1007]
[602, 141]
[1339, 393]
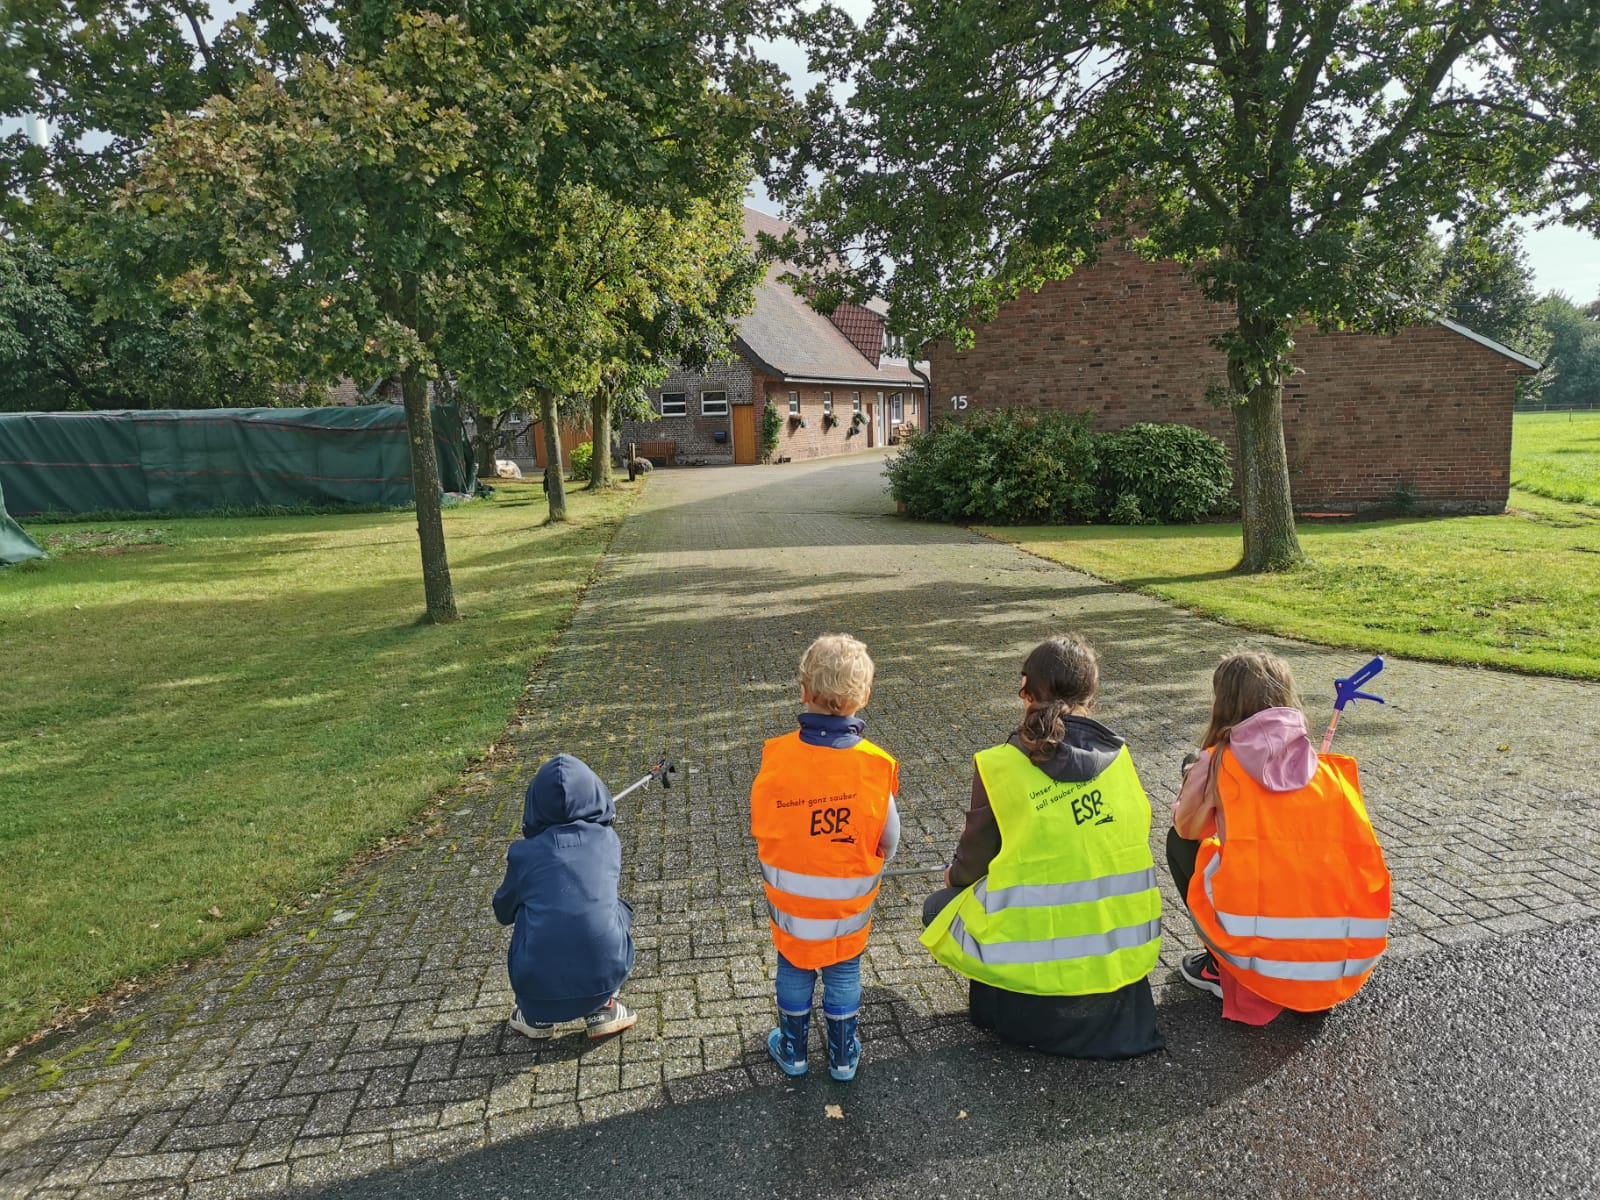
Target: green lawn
[212, 716]
[1557, 455]
[1520, 591]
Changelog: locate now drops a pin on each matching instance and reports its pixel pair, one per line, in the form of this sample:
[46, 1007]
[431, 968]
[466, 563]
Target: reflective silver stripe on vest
[811, 929]
[1289, 929]
[1083, 945]
[1302, 972]
[1051, 895]
[819, 887]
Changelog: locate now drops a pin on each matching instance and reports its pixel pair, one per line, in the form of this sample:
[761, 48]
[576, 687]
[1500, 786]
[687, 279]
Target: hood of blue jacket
[565, 790]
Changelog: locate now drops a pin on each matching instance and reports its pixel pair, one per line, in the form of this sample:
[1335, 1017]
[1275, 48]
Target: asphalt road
[1468, 1073]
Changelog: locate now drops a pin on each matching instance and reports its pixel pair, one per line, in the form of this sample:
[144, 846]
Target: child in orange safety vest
[1274, 854]
[823, 815]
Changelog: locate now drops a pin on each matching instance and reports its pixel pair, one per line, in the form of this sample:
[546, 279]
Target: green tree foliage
[1486, 284]
[1572, 362]
[371, 211]
[58, 353]
[1291, 156]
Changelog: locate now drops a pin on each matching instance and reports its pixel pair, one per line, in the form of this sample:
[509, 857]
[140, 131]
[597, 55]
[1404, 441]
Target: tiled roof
[786, 337]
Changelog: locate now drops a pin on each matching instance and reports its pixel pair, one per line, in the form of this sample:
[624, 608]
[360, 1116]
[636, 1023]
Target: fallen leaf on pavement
[962, 1115]
[833, 1111]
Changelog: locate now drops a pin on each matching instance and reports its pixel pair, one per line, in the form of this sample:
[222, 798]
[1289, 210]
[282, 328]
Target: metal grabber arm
[663, 769]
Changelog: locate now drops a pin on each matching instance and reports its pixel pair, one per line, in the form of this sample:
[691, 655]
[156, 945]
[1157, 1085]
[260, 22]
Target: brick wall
[694, 432]
[1426, 410]
[815, 441]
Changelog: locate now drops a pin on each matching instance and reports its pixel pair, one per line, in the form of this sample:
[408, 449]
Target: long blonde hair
[1060, 676]
[1245, 682]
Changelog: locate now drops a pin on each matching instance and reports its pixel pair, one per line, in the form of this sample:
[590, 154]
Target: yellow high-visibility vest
[1070, 906]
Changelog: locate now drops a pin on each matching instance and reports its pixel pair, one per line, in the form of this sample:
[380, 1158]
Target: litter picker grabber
[912, 871]
[1348, 689]
[662, 770]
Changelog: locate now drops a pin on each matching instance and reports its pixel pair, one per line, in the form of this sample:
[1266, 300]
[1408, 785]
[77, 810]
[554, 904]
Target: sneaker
[1200, 971]
[537, 1030]
[613, 1018]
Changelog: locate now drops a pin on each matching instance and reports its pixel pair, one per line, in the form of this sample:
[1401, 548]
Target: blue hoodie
[572, 947]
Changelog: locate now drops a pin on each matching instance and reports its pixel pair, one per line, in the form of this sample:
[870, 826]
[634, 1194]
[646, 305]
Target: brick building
[834, 380]
[1423, 415]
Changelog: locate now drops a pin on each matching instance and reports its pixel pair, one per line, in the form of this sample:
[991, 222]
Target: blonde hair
[1061, 675]
[837, 671]
[1245, 682]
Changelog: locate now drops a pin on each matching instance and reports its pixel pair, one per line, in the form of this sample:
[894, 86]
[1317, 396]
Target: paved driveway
[370, 1032]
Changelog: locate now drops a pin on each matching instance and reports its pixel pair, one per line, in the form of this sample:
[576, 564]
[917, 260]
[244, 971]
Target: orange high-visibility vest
[817, 813]
[1294, 902]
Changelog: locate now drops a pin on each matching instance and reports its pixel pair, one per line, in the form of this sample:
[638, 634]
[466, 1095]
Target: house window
[713, 404]
[674, 404]
[855, 401]
[913, 409]
[897, 404]
[827, 404]
[794, 404]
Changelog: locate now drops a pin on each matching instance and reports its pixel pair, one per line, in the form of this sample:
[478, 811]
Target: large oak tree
[1291, 155]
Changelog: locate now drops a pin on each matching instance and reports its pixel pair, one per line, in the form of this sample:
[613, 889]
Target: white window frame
[897, 407]
[680, 408]
[794, 404]
[827, 404]
[855, 401]
[713, 408]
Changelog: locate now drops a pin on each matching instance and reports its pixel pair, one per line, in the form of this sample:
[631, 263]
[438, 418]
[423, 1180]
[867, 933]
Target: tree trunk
[1266, 507]
[600, 425]
[554, 476]
[441, 600]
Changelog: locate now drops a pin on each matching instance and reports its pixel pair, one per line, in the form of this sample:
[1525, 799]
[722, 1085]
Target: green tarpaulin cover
[196, 460]
[15, 546]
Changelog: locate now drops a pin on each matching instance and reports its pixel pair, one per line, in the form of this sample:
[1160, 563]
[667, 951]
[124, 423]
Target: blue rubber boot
[787, 1043]
[844, 1048]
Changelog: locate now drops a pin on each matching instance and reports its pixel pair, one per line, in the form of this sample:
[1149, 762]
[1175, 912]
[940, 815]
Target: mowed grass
[1519, 591]
[206, 717]
[1557, 455]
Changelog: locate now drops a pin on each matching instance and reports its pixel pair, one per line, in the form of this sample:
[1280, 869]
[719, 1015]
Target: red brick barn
[1423, 416]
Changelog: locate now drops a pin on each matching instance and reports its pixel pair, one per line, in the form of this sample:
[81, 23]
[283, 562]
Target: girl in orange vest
[823, 816]
[1283, 928]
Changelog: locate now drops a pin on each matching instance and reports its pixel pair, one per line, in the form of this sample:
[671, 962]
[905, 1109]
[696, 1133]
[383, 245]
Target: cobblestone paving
[371, 1030]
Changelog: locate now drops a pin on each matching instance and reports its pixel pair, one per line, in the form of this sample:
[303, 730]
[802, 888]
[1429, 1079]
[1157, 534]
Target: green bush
[583, 460]
[771, 427]
[1126, 511]
[1173, 473]
[1005, 467]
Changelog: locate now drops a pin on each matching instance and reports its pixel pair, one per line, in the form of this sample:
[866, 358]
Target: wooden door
[744, 434]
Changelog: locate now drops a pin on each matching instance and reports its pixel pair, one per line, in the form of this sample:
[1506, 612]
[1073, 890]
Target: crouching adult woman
[1051, 906]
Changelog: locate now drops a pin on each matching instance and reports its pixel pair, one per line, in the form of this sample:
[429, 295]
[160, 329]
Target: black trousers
[1119, 1024]
[1181, 854]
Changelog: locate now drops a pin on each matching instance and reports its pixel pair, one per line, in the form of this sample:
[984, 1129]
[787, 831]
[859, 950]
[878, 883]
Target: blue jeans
[841, 988]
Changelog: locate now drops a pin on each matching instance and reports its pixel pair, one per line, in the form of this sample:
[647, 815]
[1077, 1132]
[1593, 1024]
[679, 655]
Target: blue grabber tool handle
[1348, 689]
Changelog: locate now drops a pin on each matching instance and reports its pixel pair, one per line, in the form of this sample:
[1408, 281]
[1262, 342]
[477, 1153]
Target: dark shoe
[787, 1043]
[1200, 971]
[613, 1018]
[537, 1030]
[844, 1048]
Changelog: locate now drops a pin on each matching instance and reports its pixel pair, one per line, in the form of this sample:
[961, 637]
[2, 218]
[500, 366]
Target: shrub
[583, 460]
[1004, 467]
[1173, 473]
[771, 427]
[1126, 511]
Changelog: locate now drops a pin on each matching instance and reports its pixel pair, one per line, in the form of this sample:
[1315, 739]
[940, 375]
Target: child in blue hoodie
[572, 947]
